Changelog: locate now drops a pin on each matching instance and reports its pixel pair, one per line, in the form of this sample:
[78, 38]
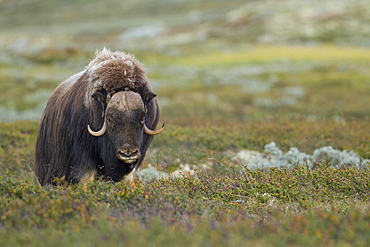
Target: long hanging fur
[64, 148]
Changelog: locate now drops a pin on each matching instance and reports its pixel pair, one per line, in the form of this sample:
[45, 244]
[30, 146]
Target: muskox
[99, 122]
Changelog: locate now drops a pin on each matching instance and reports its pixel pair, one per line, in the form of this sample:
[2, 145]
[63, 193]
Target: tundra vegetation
[267, 110]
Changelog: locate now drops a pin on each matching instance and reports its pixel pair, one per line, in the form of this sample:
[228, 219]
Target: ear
[100, 98]
[148, 96]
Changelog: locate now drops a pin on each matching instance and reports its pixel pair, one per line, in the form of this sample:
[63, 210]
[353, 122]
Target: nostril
[127, 153]
[122, 153]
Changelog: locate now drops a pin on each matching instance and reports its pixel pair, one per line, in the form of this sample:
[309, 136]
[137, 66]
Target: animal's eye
[109, 119]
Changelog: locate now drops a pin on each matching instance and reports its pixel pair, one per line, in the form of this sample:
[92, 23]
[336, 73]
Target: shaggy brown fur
[116, 71]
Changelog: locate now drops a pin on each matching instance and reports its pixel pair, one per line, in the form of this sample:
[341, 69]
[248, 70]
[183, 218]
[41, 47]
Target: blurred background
[228, 74]
[240, 58]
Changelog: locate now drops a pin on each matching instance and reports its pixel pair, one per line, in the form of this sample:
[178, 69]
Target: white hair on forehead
[129, 63]
[106, 55]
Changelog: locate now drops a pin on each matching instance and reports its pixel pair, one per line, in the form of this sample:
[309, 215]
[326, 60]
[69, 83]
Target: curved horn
[153, 132]
[99, 132]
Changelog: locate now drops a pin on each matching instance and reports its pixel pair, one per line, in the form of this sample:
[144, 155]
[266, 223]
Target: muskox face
[124, 125]
[124, 116]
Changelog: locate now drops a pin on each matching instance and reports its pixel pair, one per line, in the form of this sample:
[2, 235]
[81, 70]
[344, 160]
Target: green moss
[319, 205]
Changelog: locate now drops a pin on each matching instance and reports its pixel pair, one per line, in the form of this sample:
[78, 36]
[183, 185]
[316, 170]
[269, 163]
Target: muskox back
[66, 146]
